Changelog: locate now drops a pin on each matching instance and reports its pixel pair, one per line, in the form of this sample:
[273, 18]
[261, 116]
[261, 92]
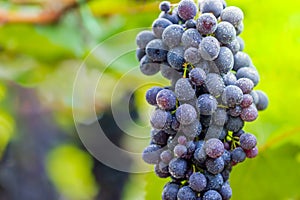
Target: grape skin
[212, 195]
[143, 38]
[148, 66]
[156, 50]
[207, 23]
[186, 114]
[197, 181]
[186, 193]
[192, 55]
[225, 60]
[225, 32]
[170, 191]
[159, 25]
[207, 104]
[187, 9]
[214, 148]
[233, 15]
[263, 100]
[211, 6]
[175, 57]
[166, 99]
[172, 35]
[209, 48]
[191, 38]
[247, 141]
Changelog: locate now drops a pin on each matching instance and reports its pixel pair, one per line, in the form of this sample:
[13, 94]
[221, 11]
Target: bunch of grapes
[197, 131]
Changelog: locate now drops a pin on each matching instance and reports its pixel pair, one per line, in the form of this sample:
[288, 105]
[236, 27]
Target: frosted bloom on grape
[186, 114]
[209, 48]
[214, 148]
[172, 35]
[187, 9]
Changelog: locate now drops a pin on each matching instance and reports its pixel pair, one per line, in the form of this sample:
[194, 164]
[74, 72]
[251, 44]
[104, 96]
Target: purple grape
[232, 96]
[247, 141]
[186, 114]
[207, 23]
[226, 191]
[165, 6]
[159, 25]
[238, 155]
[252, 153]
[212, 195]
[166, 99]
[214, 148]
[186, 193]
[151, 154]
[207, 104]
[247, 101]
[236, 111]
[170, 191]
[211, 6]
[249, 114]
[263, 100]
[215, 165]
[166, 156]
[245, 84]
[178, 168]
[197, 76]
[187, 9]
[180, 150]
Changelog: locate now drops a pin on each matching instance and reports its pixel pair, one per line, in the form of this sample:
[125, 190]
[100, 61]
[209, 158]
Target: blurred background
[43, 44]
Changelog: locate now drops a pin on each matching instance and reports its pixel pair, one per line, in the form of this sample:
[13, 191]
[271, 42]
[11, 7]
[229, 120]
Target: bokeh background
[44, 42]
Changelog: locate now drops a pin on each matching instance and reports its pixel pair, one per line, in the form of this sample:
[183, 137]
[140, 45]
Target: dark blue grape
[166, 156]
[159, 25]
[165, 6]
[175, 58]
[197, 181]
[191, 38]
[161, 173]
[234, 46]
[186, 193]
[192, 55]
[247, 101]
[233, 15]
[172, 35]
[241, 59]
[214, 182]
[159, 137]
[148, 66]
[209, 48]
[180, 150]
[250, 73]
[151, 154]
[215, 165]
[143, 38]
[236, 111]
[232, 96]
[186, 114]
[263, 100]
[140, 53]
[197, 76]
[252, 153]
[245, 84]
[191, 23]
[212, 195]
[238, 155]
[214, 148]
[156, 50]
[178, 168]
[170, 191]
[229, 79]
[224, 61]
[234, 124]
[160, 119]
[226, 191]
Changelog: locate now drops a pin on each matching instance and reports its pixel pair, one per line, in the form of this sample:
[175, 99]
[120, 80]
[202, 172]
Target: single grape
[148, 66]
[172, 35]
[215, 166]
[225, 32]
[186, 193]
[172, 17]
[211, 6]
[197, 181]
[178, 168]
[192, 55]
[159, 25]
[151, 154]
[233, 15]
[143, 38]
[232, 96]
[182, 140]
[229, 79]
[197, 76]
[180, 150]
[166, 99]
[212, 195]
[214, 182]
[249, 114]
[187, 9]
[234, 124]
[207, 104]
[166, 156]
[263, 100]
[241, 59]
[245, 84]
[214, 84]
[252, 153]
[226, 191]
[238, 155]
[186, 114]
[224, 61]
[247, 101]
[175, 57]
[156, 50]
[248, 141]
[170, 191]
[250, 73]
[160, 118]
[207, 24]
[214, 148]
[219, 117]
[165, 6]
[184, 90]
[209, 48]
[191, 38]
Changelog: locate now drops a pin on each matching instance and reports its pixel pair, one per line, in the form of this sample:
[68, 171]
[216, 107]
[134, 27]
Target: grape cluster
[197, 131]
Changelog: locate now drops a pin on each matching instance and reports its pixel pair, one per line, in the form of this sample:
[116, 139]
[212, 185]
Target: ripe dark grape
[187, 9]
[178, 167]
[192, 55]
[214, 84]
[247, 101]
[143, 38]
[166, 156]
[156, 50]
[232, 96]
[252, 153]
[249, 114]
[207, 104]
[186, 193]
[191, 23]
[172, 35]
[170, 191]
[197, 181]
[234, 124]
[186, 114]
[151, 154]
[160, 118]
[180, 150]
[238, 155]
[159, 25]
[247, 141]
[214, 148]
[263, 100]
[226, 191]
[148, 66]
[207, 23]
[233, 15]
[250, 73]
[165, 6]
[211, 6]
[234, 46]
[209, 48]
[184, 90]
[214, 182]
[229, 79]
[215, 166]
[245, 84]
[175, 57]
[166, 99]
[191, 38]
[151, 95]
[197, 76]
[241, 60]
[225, 32]
[224, 61]
[212, 195]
